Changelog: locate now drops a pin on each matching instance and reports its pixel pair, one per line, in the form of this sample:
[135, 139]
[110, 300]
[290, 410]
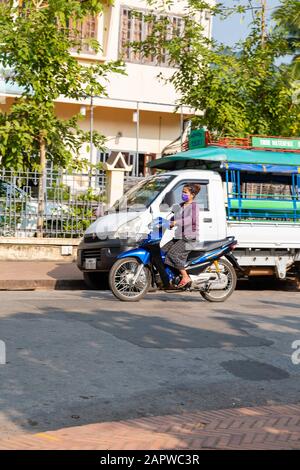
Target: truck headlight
[131, 230]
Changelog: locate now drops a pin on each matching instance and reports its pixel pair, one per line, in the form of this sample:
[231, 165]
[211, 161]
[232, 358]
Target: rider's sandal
[184, 283]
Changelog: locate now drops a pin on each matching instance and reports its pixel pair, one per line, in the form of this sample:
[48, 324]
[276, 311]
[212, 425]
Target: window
[134, 27]
[201, 198]
[143, 193]
[82, 31]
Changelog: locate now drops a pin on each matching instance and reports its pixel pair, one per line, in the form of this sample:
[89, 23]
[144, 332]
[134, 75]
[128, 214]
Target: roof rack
[257, 142]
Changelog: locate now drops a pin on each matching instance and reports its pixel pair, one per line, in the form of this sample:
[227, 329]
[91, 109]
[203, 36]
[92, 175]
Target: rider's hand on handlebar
[161, 223]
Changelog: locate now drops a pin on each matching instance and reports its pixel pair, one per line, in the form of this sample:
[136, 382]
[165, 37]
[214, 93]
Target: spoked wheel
[221, 294]
[123, 282]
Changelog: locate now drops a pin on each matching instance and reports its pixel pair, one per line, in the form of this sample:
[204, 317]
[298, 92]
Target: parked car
[19, 210]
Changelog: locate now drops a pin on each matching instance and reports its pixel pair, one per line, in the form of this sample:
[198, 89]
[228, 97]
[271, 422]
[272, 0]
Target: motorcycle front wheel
[228, 270]
[121, 280]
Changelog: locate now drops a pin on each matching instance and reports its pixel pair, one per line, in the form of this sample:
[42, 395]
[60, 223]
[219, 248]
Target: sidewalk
[269, 427]
[23, 275]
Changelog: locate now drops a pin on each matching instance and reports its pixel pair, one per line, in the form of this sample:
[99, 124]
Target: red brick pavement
[269, 427]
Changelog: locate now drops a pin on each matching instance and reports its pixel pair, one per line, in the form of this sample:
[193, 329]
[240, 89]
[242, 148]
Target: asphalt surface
[83, 357]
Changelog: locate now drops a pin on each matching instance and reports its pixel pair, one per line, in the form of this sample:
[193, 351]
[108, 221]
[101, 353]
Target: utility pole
[137, 138]
[91, 128]
[42, 186]
[91, 138]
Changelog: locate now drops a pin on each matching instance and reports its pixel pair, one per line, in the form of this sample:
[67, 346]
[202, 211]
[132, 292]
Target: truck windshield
[142, 194]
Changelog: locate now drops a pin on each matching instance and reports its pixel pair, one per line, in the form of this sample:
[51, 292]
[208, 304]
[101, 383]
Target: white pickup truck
[265, 246]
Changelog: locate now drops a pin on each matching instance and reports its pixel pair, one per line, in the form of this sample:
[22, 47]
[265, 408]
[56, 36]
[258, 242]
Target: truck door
[207, 217]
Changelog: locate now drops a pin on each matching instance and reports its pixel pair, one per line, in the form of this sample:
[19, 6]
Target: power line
[249, 8]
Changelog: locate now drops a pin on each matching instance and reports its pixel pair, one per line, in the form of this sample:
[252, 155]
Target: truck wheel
[221, 295]
[96, 281]
[121, 280]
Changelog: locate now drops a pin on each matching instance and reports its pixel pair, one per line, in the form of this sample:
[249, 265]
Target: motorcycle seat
[199, 248]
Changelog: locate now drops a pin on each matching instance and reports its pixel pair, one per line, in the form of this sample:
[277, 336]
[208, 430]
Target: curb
[46, 284]
[79, 284]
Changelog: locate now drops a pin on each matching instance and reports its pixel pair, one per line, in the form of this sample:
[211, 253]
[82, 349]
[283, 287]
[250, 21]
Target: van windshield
[142, 194]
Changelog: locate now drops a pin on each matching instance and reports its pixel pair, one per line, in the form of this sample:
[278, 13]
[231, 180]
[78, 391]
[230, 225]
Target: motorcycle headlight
[131, 230]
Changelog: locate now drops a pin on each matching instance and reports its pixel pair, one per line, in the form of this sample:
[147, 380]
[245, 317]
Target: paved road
[83, 357]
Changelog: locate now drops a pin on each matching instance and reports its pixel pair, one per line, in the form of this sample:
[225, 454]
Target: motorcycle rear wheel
[120, 276]
[222, 295]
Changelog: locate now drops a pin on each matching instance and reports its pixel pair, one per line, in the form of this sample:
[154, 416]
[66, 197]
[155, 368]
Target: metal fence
[71, 202]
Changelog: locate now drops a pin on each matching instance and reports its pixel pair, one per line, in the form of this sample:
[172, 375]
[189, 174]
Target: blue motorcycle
[210, 265]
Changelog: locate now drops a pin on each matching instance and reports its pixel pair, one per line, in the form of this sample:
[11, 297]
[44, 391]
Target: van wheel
[96, 281]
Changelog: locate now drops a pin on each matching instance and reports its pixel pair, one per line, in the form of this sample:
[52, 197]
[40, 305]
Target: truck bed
[265, 234]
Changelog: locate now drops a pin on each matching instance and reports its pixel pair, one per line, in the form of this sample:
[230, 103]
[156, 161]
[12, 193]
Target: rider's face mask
[185, 197]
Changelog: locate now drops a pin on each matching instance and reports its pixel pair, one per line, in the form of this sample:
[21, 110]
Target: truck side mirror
[168, 200]
[176, 208]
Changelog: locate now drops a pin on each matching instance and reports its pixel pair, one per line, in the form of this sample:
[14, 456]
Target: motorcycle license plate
[91, 263]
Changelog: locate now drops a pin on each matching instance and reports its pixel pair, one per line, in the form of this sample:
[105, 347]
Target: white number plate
[91, 263]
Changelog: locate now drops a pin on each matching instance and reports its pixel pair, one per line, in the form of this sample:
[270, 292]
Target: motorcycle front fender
[139, 253]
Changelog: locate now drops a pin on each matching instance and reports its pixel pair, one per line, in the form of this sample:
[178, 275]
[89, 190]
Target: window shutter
[134, 27]
[81, 31]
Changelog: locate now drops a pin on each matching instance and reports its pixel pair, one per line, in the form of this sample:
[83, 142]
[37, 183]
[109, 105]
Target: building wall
[156, 129]
[159, 120]
[141, 82]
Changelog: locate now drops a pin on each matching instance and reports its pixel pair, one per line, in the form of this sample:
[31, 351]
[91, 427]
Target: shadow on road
[268, 283]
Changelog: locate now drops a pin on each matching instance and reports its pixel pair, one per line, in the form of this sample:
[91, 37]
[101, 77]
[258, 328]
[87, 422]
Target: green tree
[237, 91]
[287, 17]
[35, 44]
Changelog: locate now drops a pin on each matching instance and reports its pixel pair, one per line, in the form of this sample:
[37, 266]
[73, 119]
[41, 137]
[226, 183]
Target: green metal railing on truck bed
[261, 204]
